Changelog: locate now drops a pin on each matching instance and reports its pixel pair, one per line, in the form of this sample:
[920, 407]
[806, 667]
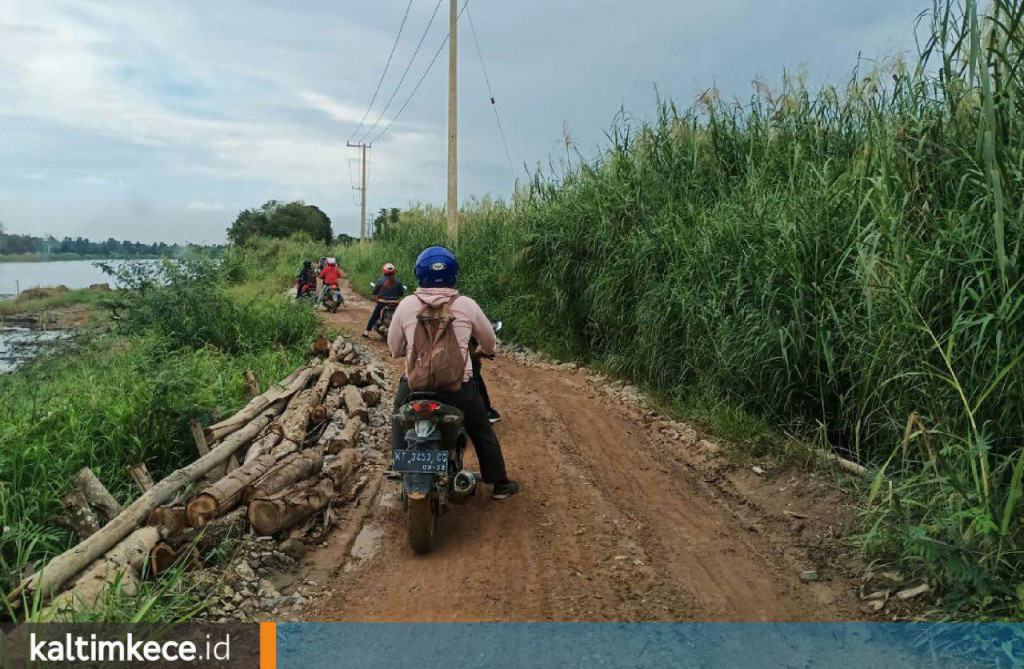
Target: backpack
[440, 363]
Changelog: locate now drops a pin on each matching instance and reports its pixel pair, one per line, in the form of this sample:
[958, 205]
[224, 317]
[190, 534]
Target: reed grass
[843, 263]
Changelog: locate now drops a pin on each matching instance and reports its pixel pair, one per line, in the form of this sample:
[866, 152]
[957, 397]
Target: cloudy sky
[161, 120]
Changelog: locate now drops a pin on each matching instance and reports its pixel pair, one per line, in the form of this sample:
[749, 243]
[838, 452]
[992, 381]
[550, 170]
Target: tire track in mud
[614, 523]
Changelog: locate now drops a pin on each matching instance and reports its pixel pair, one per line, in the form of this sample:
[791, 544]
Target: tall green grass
[843, 263]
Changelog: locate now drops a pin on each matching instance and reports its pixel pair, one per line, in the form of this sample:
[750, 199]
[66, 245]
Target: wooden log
[265, 444]
[321, 347]
[339, 377]
[290, 470]
[259, 404]
[293, 422]
[199, 437]
[340, 348]
[79, 516]
[348, 436]
[122, 565]
[171, 519]
[225, 494]
[164, 557]
[290, 507]
[214, 535]
[371, 395]
[141, 477]
[333, 429]
[324, 411]
[252, 384]
[61, 568]
[355, 404]
[96, 494]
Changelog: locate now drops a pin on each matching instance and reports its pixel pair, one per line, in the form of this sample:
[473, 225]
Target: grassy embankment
[842, 264]
[35, 300]
[176, 352]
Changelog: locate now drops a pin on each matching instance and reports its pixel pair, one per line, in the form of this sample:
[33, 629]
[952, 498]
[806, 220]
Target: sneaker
[366, 335]
[504, 489]
[493, 416]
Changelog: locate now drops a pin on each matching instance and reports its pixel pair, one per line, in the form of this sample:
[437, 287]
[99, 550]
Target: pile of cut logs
[277, 466]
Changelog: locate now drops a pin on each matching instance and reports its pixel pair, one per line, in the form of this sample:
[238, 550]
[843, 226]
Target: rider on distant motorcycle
[331, 277]
[437, 271]
[387, 287]
[307, 279]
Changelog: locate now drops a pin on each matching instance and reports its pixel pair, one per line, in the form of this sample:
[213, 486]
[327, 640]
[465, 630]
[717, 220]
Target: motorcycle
[331, 297]
[386, 314]
[306, 290]
[431, 464]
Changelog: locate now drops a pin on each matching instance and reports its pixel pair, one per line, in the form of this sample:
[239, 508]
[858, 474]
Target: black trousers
[479, 380]
[485, 442]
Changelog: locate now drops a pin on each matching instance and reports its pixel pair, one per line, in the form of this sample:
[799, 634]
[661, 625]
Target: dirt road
[619, 519]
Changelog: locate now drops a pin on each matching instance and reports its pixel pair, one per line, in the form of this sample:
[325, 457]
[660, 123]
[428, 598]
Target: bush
[189, 304]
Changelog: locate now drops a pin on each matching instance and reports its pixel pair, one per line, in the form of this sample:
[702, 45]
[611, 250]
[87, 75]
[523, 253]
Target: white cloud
[92, 180]
[199, 205]
[339, 111]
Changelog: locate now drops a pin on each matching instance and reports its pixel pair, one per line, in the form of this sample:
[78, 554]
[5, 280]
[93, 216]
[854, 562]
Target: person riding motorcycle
[437, 273]
[387, 287]
[330, 274]
[306, 282]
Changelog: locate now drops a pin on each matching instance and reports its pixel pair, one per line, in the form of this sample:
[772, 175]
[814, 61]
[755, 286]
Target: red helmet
[389, 269]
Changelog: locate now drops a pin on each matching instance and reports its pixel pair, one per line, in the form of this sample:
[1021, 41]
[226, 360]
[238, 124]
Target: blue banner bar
[598, 645]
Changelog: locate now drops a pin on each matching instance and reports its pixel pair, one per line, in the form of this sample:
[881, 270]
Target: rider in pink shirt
[437, 272]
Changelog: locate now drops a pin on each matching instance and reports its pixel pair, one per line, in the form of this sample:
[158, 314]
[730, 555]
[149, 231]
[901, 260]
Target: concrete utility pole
[453, 125]
[362, 187]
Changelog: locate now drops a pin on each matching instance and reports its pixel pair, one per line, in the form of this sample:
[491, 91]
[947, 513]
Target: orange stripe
[268, 645]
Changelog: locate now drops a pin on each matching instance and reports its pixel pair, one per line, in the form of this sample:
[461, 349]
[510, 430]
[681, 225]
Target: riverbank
[184, 337]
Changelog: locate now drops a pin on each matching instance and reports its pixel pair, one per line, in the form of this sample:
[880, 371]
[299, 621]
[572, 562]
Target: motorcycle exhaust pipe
[463, 487]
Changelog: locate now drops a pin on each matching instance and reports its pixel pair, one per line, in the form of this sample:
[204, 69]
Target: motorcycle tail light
[425, 408]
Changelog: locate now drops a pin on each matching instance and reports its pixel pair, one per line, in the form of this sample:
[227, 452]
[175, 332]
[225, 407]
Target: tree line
[15, 244]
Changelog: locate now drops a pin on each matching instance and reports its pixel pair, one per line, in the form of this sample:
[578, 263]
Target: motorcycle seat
[425, 395]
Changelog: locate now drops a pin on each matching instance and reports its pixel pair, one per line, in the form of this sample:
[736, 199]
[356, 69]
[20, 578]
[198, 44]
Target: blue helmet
[437, 268]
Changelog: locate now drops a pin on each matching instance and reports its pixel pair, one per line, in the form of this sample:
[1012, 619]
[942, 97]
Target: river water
[70, 273]
[17, 343]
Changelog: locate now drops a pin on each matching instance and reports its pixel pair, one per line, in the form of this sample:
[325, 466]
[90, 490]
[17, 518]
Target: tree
[277, 219]
[385, 222]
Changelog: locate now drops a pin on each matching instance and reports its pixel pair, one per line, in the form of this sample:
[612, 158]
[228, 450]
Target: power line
[382, 74]
[490, 92]
[418, 83]
[405, 73]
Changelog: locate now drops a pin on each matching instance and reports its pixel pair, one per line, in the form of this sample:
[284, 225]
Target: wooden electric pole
[362, 188]
[453, 126]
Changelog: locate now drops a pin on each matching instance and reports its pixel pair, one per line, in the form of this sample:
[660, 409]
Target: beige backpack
[439, 364]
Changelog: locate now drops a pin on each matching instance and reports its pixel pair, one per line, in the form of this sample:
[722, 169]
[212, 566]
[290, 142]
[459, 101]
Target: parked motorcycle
[431, 464]
[331, 297]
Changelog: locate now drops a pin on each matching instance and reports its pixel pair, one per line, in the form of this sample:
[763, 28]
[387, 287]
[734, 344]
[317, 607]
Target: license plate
[421, 462]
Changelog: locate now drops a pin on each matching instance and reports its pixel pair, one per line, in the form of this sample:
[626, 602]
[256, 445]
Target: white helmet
[332, 261]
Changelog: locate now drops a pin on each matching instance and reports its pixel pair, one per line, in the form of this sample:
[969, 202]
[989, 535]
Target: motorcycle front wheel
[422, 519]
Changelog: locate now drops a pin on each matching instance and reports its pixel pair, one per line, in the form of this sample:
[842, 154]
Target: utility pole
[362, 187]
[453, 125]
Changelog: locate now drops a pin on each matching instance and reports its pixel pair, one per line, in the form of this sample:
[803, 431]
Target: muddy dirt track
[615, 522]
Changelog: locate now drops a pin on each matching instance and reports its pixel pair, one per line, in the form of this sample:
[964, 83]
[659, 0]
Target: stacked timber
[272, 468]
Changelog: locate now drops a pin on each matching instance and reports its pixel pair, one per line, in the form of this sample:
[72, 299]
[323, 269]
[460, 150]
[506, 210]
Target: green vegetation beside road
[844, 264]
[182, 335]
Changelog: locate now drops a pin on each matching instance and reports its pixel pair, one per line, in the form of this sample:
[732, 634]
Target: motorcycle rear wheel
[422, 519]
[334, 307]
